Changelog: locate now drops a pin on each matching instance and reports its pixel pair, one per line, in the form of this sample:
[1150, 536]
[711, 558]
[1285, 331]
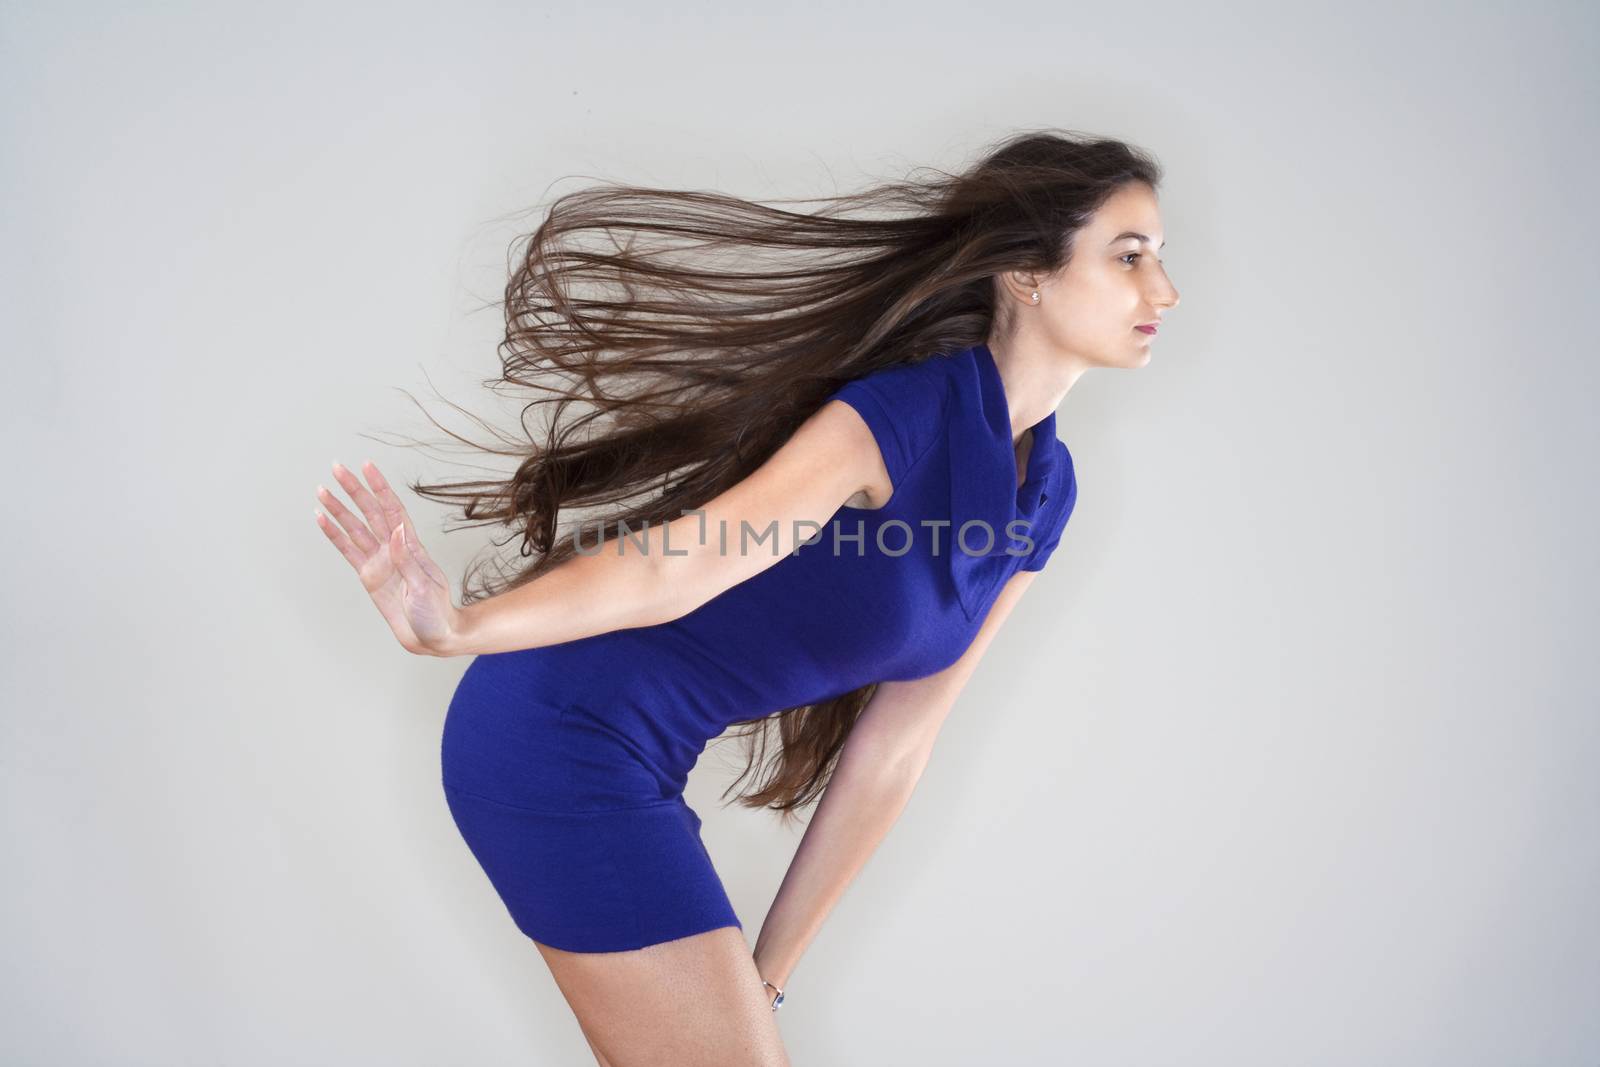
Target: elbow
[669, 590]
[892, 760]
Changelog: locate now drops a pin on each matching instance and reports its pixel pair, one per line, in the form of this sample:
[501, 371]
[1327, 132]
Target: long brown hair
[697, 331]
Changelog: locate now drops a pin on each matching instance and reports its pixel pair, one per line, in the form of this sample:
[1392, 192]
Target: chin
[1126, 362]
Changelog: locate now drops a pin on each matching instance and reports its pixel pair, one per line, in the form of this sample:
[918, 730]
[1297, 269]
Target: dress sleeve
[904, 406]
[1049, 533]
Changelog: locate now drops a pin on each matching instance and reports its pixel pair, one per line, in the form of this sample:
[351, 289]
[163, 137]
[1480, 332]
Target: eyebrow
[1138, 236]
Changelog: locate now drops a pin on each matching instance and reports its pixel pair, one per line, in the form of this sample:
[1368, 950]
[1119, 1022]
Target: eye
[1126, 255]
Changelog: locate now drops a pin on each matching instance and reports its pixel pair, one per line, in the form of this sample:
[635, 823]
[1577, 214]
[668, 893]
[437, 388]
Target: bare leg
[697, 1001]
[598, 1058]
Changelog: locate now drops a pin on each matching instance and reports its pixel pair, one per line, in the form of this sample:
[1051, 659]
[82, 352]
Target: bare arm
[828, 459]
[878, 769]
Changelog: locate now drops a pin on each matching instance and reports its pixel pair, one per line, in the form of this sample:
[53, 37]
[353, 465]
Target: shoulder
[910, 392]
[905, 405]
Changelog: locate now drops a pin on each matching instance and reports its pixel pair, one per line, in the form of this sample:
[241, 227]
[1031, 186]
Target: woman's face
[1114, 282]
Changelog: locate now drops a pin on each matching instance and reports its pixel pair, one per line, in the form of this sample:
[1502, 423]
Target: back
[896, 592]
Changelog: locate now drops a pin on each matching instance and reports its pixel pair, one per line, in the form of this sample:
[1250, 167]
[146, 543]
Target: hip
[507, 739]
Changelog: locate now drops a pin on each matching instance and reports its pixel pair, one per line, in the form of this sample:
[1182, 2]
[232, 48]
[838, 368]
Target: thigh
[596, 881]
[696, 1000]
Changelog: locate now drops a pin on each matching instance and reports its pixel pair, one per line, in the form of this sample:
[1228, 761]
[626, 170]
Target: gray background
[1287, 758]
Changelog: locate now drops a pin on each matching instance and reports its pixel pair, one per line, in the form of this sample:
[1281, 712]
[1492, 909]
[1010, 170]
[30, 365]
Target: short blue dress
[564, 766]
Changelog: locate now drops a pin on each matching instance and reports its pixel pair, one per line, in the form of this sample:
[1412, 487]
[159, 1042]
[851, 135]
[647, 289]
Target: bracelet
[777, 1003]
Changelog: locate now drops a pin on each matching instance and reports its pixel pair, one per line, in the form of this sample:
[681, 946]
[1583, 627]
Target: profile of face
[1090, 310]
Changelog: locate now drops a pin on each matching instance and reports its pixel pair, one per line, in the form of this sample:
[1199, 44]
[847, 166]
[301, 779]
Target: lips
[1151, 329]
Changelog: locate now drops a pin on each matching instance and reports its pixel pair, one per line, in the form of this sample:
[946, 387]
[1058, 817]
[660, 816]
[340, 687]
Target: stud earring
[1035, 296]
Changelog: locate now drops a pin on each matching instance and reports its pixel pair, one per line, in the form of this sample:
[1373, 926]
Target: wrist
[770, 971]
[457, 641]
[775, 994]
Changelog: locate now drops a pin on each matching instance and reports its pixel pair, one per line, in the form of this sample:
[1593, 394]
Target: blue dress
[564, 766]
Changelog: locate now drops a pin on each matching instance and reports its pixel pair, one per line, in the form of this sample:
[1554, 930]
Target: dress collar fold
[984, 495]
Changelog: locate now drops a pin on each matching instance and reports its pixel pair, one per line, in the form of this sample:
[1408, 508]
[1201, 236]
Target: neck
[1035, 377]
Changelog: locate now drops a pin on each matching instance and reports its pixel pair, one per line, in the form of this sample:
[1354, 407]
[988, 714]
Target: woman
[852, 474]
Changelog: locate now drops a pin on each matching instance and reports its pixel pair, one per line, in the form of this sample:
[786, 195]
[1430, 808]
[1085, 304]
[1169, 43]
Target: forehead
[1130, 214]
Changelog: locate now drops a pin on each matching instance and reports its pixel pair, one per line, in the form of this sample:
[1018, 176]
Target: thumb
[404, 561]
[420, 553]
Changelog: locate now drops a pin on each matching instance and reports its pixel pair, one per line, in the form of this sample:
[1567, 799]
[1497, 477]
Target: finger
[393, 509]
[357, 529]
[405, 562]
[396, 512]
[420, 554]
[340, 541]
[365, 500]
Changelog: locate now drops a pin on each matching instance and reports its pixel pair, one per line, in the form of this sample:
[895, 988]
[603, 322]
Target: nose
[1167, 295]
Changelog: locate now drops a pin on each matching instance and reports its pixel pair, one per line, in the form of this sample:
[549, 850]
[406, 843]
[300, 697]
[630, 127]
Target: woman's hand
[409, 589]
